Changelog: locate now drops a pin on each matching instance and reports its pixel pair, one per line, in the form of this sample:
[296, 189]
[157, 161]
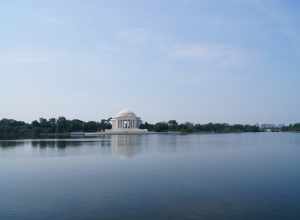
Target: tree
[173, 125]
[104, 124]
[35, 124]
[90, 126]
[44, 123]
[148, 126]
[61, 125]
[161, 127]
[77, 125]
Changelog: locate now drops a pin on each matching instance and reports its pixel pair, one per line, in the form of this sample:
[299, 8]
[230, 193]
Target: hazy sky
[190, 60]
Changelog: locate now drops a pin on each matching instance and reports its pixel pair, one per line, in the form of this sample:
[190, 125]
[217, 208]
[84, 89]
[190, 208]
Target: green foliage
[161, 127]
[11, 129]
[172, 125]
[189, 127]
[292, 127]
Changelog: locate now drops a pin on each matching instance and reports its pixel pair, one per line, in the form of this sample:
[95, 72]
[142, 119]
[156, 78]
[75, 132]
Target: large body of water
[222, 176]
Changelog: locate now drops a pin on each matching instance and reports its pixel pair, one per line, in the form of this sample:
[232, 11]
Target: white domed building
[126, 121]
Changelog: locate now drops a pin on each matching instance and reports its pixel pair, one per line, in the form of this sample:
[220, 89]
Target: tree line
[292, 127]
[11, 129]
[189, 127]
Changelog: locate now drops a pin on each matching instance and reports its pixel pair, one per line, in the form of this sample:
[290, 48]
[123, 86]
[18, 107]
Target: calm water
[224, 176]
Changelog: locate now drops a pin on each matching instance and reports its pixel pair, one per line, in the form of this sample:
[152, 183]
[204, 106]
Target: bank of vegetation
[62, 127]
[292, 127]
[189, 127]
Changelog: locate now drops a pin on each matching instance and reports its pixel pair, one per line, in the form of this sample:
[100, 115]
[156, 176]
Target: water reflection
[120, 145]
[230, 176]
[63, 144]
[10, 144]
[70, 147]
[126, 145]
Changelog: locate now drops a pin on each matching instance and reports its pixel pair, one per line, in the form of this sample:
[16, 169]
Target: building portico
[126, 120]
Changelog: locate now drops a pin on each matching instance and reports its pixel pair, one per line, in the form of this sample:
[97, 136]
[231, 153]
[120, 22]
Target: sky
[190, 60]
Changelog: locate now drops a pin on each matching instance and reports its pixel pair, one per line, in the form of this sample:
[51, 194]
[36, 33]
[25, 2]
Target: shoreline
[95, 135]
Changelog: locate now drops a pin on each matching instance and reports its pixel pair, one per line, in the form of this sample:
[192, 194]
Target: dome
[126, 113]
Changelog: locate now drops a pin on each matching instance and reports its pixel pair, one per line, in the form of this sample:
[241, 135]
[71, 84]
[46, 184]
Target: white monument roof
[126, 113]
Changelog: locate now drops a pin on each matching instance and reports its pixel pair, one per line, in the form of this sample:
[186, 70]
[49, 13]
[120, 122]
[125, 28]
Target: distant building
[271, 127]
[126, 121]
[281, 125]
[268, 126]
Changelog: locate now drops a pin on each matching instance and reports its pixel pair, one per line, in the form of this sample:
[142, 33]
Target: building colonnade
[126, 123]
